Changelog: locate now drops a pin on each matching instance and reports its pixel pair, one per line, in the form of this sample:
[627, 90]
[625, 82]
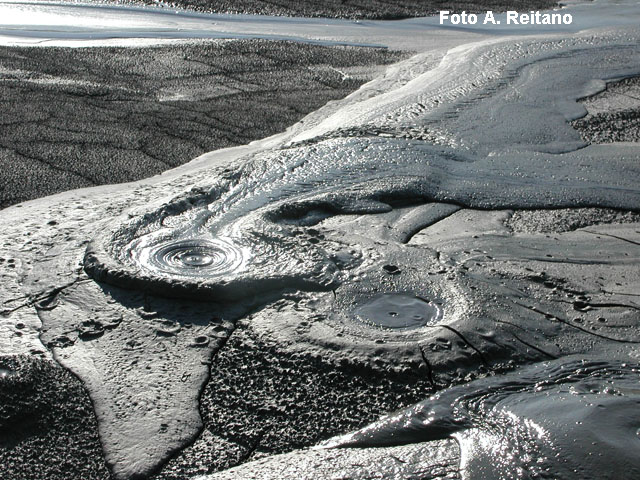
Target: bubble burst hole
[394, 311]
[193, 257]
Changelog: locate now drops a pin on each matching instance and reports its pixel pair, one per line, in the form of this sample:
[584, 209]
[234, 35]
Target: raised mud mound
[394, 254]
[253, 218]
[449, 235]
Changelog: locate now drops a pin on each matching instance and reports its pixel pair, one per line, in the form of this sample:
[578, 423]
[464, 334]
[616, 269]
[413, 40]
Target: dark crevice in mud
[612, 120]
[9, 311]
[41, 300]
[431, 135]
[583, 305]
[621, 293]
[430, 375]
[463, 338]
[402, 227]
[614, 236]
[47, 424]
[537, 349]
[263, 400]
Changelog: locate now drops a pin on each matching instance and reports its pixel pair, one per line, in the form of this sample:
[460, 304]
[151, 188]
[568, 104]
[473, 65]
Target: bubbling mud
[486, 129]
[398, 312]
[502, 106]
[192, 257]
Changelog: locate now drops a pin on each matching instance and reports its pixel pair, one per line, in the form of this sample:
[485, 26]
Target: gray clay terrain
[72, 118]
[436, 277]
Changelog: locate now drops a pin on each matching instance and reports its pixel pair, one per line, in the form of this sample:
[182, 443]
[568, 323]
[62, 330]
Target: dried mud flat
[374, 262]
[356, 9]
[78, 117]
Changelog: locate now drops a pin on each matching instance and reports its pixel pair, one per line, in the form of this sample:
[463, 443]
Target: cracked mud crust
[77, 117]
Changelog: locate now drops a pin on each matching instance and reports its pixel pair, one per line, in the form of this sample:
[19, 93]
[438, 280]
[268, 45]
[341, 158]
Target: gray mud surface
[264, 400]
[78, 117]
[358, 9]
[614, 115]
[532, 367]
[47, 424]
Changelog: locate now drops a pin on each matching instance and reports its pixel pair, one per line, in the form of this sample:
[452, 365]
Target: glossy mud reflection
[398, 312]
[524, 156]
[571, 418]
[289, 233]
[193, 258]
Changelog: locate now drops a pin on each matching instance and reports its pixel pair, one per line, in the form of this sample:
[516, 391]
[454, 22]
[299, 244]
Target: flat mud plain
[538, 334]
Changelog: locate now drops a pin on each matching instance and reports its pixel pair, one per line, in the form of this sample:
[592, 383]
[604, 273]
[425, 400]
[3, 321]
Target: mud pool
[446, 223]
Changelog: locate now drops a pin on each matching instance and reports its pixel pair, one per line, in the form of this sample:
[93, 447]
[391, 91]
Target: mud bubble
[192, 257]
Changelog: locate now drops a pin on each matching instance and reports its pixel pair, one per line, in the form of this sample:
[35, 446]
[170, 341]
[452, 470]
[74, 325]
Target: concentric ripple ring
[193, 258]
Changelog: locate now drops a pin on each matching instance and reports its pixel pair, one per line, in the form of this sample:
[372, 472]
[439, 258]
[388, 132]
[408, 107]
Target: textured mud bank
[613, 115]
[47, 424]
